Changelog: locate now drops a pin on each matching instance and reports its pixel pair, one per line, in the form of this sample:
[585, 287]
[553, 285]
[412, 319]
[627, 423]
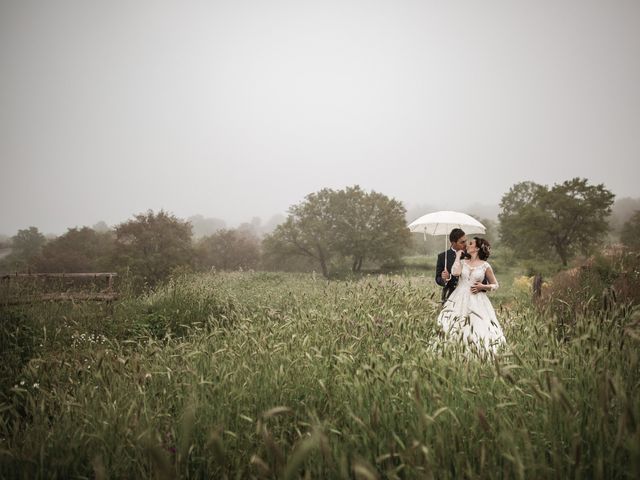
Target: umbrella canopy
[441, 223]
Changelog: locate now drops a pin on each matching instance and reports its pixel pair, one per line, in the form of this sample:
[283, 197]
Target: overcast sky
[234, 109]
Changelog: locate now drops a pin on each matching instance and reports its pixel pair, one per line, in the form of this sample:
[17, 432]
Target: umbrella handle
[445, 252]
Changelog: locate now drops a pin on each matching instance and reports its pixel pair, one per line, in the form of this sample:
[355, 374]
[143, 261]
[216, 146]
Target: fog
[238, 109]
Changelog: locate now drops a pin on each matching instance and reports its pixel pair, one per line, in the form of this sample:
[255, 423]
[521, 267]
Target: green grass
[286, 375]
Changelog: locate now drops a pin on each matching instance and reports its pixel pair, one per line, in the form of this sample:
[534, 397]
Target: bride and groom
[465, 276]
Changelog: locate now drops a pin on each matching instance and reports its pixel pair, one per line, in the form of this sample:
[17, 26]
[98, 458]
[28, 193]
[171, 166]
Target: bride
[468, 314]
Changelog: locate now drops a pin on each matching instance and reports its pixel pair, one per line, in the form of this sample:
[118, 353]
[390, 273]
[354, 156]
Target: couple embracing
[466, 277]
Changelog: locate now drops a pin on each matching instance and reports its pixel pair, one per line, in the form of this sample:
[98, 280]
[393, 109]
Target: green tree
[201, 226]
[630, 235]
[307, 231]
[520, 210]
[345, 223]
[228, 250]
[566, 218]
[369, 226]
[621, 211]
[152, 245]
[26, 245]
[78, 250]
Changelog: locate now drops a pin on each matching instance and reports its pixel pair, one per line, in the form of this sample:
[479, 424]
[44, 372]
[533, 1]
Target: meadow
[283, 375]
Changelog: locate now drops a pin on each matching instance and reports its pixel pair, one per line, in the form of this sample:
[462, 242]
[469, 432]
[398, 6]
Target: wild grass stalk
[284, 375]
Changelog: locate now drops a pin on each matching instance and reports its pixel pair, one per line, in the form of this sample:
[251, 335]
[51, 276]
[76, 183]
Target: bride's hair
[484, 248]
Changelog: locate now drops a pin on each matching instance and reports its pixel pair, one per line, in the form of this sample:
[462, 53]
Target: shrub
[630, 234]
[228, 250]
[600, 285]
[152, 245]
[180, 304]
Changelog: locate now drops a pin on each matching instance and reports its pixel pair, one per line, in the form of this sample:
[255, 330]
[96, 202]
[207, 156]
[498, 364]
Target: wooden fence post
[537, 286]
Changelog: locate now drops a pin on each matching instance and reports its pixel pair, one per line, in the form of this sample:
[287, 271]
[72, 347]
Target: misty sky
[235, 109]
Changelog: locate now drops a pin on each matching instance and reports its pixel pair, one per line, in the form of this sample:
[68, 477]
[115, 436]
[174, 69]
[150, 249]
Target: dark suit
[450, 286]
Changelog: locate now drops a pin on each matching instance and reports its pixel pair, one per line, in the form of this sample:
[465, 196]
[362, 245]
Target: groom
[444, 278]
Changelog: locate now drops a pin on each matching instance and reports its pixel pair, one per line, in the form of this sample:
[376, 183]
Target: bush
[228, 250]
[600, 285]
[152, 245]
[181, 304]
[78, 250]
[630, 235]
[17, 340]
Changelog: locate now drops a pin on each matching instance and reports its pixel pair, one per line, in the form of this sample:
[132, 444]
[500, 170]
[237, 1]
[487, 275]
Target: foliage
[492, 232]
[228, 250]
[346, 223]
[203, 227]
[621, 211]
[306, 231]
[78, 250]
[152, 245]
[307, 378]
[277, 258]
[598, 285]
[101, 227]
[422, 244]
[630, 235]
[16, 339]
[26, 246]
[566, 219]
[369, 225]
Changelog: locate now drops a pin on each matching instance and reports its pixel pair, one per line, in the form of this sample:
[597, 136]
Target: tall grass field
[274, 375]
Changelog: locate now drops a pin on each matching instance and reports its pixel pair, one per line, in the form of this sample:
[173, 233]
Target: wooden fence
[107, 294]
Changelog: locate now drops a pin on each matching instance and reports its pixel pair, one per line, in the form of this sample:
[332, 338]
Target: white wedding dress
[468, 317]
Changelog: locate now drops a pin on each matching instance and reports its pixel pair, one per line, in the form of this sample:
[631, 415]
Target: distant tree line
[149, 247]
[330, 228]
[329, 231]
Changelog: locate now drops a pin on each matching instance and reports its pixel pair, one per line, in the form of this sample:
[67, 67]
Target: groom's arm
[439, 269]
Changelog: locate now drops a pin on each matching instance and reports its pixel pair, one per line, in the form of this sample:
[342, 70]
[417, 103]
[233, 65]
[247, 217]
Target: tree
[78, 250]
[152, 245]
[566, 218]
[621, 211]
[369, 226]
[349, 223]
[229, 250]
[307, 231]
[202, 226]
[630, 235]
[519, 209]
[101, 227]
[491, 230]
[26, 245]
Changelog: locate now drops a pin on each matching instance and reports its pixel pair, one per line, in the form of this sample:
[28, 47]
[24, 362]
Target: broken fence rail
[106, 295]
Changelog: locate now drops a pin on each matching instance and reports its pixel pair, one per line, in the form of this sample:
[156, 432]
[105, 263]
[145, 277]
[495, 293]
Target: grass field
[239, 375]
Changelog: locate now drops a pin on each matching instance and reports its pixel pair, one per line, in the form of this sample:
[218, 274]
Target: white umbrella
[441, 223]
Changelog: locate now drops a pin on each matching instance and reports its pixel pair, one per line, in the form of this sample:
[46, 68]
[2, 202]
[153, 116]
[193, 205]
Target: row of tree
[149, 246]
[329, 229]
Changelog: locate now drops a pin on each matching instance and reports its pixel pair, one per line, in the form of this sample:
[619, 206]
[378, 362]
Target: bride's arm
[493, 282]
[456, 268]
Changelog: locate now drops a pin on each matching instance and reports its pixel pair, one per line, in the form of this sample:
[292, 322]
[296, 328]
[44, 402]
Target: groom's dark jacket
[450, 286]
